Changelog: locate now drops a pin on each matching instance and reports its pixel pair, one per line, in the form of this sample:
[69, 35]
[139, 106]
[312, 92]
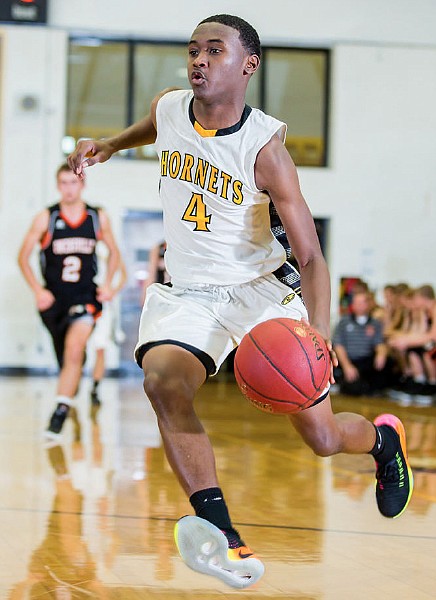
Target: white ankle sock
[64, 400]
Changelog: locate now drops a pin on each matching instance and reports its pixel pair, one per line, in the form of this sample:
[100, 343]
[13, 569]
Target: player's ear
[252, 64]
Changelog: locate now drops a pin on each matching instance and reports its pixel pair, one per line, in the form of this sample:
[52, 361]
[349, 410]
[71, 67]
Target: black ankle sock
[95, 385]
[209, 504]
[233, 538]
[386, 444]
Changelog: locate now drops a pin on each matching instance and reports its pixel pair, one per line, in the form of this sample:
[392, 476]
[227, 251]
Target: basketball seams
[286, 359]
[297, 338]
[262, 395]
[275, 367]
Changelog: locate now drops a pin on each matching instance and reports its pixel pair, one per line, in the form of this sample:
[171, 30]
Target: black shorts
[419, 350]
[65, 311]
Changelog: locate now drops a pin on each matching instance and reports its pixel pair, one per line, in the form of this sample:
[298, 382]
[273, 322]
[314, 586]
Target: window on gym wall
[112, 82]
[156, 67]
[296, 86]
[98, 82]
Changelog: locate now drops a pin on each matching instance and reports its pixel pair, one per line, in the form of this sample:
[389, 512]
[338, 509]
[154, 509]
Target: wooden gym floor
[93, 517]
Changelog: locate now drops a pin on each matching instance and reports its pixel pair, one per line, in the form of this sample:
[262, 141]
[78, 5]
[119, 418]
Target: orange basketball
[282, 366]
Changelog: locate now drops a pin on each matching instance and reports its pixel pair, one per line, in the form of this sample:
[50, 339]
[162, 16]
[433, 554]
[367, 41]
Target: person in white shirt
[221, 164]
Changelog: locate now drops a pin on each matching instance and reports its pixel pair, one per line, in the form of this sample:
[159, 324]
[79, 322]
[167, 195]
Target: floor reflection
[93, 516]
[62, 565]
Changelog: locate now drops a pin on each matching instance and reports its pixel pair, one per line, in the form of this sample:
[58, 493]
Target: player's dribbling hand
[333, 358]
[88, 153]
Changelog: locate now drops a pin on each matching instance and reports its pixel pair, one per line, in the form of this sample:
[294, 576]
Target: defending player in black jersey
[68, 301]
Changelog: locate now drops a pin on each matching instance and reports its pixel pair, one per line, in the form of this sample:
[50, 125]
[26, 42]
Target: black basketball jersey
[68, 258]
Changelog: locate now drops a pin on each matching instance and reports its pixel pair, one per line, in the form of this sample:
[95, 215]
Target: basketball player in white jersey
[106, 329]
[221, 164]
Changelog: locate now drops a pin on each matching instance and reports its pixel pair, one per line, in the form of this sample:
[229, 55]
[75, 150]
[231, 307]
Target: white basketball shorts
[213, 319]
[101, 336]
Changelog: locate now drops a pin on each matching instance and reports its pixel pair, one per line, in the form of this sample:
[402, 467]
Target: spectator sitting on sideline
[418, 342]
[364, 368]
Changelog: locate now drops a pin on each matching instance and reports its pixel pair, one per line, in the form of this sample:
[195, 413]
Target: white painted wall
[32, 64]
[379, 190]
[311, 21]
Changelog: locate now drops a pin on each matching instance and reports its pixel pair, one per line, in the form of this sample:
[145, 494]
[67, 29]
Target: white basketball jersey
[217, 224]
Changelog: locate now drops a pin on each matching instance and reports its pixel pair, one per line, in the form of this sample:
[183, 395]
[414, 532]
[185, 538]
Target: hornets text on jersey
[216, 220]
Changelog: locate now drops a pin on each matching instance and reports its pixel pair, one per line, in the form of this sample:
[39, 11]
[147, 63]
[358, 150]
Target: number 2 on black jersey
[71, 269]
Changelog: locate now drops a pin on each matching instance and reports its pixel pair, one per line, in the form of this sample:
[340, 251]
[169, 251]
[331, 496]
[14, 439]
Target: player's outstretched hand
[88, 153]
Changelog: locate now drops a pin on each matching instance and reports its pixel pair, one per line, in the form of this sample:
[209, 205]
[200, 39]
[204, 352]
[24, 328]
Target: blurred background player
[157, 272]
[106, 331]
[69, 300]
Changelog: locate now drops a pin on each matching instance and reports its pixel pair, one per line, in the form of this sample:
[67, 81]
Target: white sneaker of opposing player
[204, 548]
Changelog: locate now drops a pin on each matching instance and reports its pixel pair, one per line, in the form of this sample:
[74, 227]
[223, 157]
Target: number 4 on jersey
[196, 213]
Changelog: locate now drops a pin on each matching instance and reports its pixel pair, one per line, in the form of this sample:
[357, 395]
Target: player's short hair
[64, 167]
[247, 34]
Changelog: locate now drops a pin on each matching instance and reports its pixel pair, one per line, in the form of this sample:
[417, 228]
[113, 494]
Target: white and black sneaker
[57, 421]
[205, 549]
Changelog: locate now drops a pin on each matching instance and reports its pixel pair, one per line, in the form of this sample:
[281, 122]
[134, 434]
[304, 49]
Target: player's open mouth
[197, 77]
